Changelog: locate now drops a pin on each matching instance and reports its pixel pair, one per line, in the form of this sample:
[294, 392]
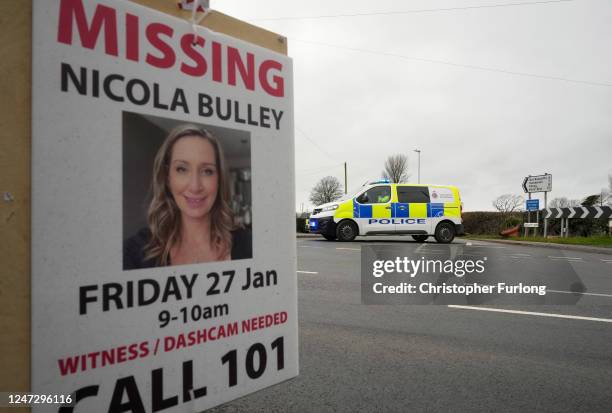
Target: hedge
[489, 223]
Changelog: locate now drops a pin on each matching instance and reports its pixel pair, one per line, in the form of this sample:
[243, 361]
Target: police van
[392, 209]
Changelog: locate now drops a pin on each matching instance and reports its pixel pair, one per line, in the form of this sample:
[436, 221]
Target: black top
[133, 248]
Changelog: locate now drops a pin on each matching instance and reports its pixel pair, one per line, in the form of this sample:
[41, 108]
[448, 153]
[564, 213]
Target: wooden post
[15, 167]
[15, 156]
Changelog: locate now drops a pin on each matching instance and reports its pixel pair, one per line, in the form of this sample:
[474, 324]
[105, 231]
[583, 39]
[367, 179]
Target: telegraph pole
[546, 206]
[419, 165]
[345, 180]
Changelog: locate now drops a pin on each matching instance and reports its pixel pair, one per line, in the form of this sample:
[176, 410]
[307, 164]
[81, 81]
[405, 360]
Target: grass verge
[598, 241]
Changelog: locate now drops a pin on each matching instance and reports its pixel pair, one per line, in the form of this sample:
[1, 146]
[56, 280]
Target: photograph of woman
[190, 219]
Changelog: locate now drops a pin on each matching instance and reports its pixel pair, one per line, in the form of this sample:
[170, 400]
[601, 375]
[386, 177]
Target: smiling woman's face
[194, 176]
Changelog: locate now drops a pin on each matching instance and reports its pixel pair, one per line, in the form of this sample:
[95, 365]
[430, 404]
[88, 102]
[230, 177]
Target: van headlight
[330, 208]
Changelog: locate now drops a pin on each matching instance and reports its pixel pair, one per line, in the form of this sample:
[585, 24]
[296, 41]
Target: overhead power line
[392, 13]
[318, 169]
[323, 151]
[462, 65]
[323, 171]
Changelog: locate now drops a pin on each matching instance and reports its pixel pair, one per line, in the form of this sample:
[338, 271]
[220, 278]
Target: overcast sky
[417, 81]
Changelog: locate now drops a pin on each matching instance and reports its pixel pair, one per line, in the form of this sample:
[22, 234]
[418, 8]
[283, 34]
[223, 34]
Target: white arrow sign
[584, 213]
[538, 183]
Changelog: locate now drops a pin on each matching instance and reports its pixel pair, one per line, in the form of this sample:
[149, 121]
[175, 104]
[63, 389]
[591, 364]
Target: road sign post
[545, 220]
[525, 230]
[531, 205]
[539, 183]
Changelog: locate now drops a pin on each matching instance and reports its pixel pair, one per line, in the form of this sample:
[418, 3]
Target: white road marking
[389, 245]
[487, 246]
[568, 259]
[420, 247]
[348, 249]
[307, 272]
[577, 292]
[565, 258]
[608, 261]
[468, 243]
[499, 310]
[309, 246]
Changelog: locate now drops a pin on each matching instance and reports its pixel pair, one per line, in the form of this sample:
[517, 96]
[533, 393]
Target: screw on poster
[163, 271]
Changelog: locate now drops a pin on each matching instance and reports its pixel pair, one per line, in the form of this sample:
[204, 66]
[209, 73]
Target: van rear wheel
[445, 233]
[420, 238]
[346, 231]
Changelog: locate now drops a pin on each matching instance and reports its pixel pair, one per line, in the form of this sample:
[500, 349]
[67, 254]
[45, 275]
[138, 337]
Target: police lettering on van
[396, 209]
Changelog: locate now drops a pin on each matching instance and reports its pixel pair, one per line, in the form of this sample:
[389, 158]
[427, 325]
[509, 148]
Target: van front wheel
[346, 231]
[445, 233]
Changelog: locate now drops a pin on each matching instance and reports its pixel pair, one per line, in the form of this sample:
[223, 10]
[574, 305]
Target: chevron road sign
[579, 212]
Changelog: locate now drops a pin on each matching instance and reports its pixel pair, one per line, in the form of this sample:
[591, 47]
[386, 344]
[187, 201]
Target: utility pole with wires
[345, 180]
[419, 166]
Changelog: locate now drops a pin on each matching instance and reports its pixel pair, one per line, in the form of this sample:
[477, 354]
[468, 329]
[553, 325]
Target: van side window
[376, 195]
[413, 194]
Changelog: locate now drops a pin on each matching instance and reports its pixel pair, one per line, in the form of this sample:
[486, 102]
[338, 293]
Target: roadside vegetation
[595, 240]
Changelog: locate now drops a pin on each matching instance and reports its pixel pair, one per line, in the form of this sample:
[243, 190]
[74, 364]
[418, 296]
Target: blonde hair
[164, 216]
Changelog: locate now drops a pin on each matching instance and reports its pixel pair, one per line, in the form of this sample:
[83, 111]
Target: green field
[599, 240]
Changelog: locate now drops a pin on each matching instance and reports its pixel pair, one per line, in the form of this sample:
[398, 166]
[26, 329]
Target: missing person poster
[163, 252]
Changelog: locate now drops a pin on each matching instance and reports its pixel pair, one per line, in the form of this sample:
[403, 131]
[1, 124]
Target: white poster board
[163, 231]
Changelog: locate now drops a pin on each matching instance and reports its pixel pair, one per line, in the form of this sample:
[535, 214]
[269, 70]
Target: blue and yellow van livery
[393, 209]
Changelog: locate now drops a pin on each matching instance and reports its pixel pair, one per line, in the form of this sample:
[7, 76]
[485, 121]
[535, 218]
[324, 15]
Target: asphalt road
[356, 357]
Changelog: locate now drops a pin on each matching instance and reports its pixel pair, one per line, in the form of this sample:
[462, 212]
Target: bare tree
[563, 202]
[396, 168]
[508, 203]
[328, 189]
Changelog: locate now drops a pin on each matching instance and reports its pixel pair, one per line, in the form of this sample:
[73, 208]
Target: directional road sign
[579, 212]
[533, 204]
[538, 183]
